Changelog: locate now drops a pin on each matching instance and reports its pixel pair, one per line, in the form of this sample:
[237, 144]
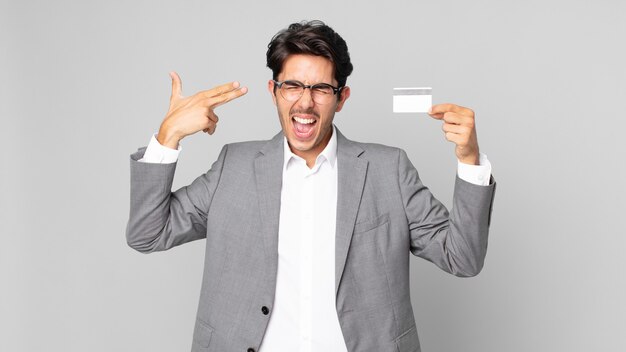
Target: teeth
[303, 121]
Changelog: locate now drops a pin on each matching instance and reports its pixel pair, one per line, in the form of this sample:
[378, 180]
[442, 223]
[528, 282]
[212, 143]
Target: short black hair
[312, 38]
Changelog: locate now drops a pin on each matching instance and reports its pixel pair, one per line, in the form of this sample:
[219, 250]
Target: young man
[308, 235]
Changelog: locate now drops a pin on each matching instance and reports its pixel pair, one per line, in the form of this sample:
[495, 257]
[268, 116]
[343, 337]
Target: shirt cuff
[476, 174]
[158, 154]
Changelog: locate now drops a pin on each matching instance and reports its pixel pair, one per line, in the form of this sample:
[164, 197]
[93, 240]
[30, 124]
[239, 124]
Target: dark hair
[313, 38]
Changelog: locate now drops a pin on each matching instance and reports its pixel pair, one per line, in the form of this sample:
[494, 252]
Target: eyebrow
[295, 80]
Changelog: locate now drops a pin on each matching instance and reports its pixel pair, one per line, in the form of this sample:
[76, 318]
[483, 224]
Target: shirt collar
[329, 153]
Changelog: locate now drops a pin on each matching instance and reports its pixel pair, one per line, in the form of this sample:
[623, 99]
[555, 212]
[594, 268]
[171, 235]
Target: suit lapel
[268, 169]
[350, 181]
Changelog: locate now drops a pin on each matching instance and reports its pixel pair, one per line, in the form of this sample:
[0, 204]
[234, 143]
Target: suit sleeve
[455, 241]
[160, 219]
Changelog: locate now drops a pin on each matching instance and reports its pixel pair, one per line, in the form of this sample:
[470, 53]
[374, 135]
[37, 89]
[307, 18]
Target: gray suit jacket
[383, 213]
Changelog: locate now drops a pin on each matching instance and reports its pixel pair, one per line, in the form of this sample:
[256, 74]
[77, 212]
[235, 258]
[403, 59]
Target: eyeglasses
[321, 93]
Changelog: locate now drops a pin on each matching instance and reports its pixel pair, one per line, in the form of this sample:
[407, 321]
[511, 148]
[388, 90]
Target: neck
[310, 156]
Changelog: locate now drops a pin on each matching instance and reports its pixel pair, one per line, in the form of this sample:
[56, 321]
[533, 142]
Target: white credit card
[418, 99]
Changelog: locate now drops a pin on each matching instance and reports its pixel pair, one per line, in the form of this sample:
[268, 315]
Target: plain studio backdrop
[83, 84]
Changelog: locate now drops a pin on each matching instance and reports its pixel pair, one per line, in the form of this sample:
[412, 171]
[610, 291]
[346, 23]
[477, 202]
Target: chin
[302, 147]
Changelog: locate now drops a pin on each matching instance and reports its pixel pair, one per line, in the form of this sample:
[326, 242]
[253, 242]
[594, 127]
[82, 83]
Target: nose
[306, 100]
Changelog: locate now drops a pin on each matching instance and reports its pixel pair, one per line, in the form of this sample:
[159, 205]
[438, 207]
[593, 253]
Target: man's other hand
[460, 128]
[188, 115]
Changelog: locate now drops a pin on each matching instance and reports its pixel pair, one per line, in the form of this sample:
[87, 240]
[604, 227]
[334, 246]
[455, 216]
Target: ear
[270, 88]
[345, 94]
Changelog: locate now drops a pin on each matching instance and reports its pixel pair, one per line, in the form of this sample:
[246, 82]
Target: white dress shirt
[304, 317]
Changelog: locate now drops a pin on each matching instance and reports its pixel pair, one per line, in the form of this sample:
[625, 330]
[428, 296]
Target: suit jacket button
[250, 349]
[265, 310]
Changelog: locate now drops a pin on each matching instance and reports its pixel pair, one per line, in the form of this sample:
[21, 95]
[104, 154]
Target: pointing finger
[219, 90]
[224, 98]
[177, 85]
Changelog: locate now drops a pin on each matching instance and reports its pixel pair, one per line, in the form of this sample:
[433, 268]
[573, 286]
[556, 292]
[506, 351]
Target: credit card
[418, 99]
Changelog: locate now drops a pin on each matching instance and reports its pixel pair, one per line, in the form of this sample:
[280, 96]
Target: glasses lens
[291, 91]
[322, 93]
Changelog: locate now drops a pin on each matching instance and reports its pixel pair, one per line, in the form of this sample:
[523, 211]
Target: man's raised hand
[188, 115]
[460, 128]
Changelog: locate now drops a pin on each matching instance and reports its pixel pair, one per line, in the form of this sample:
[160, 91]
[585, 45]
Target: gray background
[83, 84]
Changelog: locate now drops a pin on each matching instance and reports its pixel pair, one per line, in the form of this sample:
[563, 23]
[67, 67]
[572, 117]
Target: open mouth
[304, 127]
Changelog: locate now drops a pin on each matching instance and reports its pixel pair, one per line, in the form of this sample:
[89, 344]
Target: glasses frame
[277, 84]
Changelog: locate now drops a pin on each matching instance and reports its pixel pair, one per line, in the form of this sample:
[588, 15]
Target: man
[307, 235]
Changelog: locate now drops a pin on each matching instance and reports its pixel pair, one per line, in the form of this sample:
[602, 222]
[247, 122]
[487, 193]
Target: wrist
[470, 160]
[167, 138]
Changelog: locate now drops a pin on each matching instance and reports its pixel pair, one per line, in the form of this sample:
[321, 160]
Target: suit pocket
[408, 341]
[367, 225]
[202, 334]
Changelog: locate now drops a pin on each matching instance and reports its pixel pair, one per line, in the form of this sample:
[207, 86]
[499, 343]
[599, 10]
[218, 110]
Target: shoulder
[247, 147]
[249, 150]
[379, 150]
[382, 158]
[373, 152]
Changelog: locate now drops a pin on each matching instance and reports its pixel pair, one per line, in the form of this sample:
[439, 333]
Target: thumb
[177, 85]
